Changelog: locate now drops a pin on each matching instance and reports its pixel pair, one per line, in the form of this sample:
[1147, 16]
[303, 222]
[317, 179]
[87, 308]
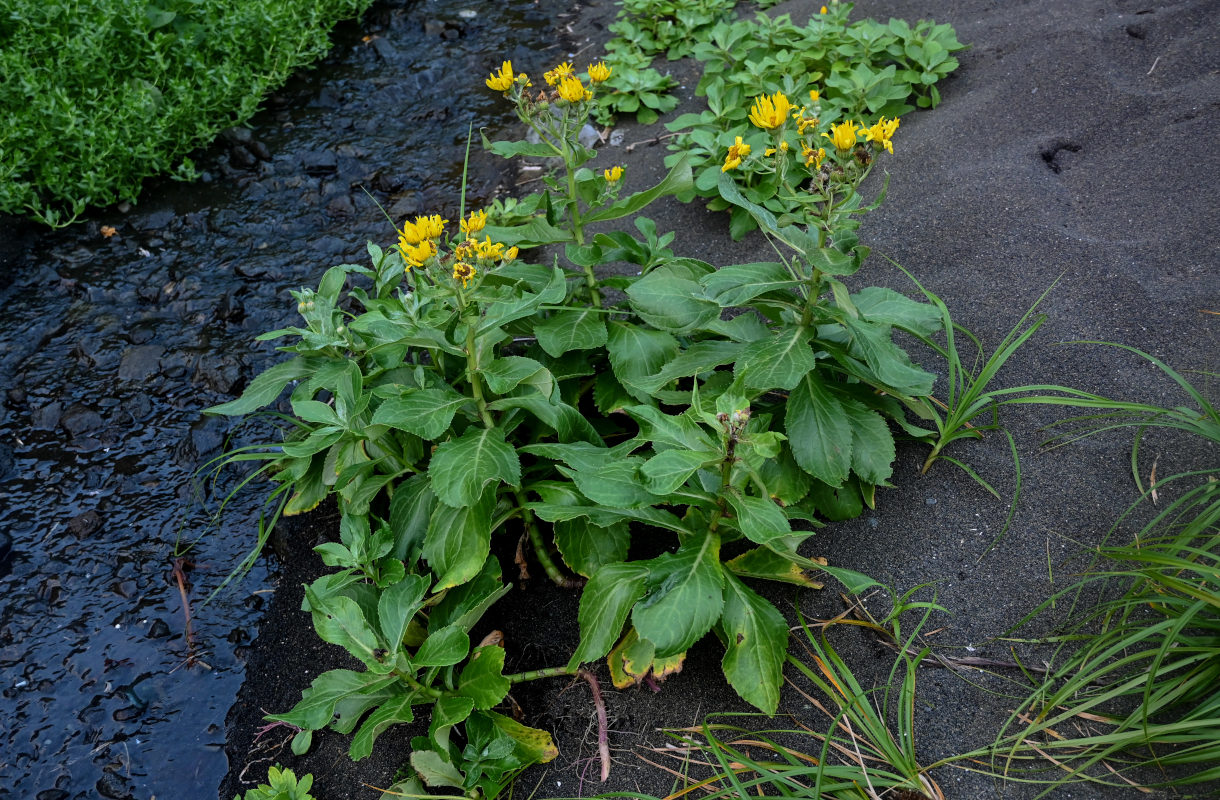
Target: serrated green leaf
[459, 540]
[443, 647]
[574, 329]
[756, 642]
[737, 285]
[762, 562]
[888, 361]
[669, 430]
[482, 679]
[397, 605]
[462, 468]
[615, 484]
[603, 516]
[465, 605]
[505, 374]
[759, 518]
[265, 388]
[434, 769]
[685, 595]
[888, 307]
[872, 444]
[339, 620]
[700, 357]
[637, 352]
[586, 547]
[504, 311]
[427, 413]
[317, 705]
[410, 512]
[676, 181]
[393, 711]
[819, 431]
[666, 471]
[604, 604]
[666, 299]
[779, 361]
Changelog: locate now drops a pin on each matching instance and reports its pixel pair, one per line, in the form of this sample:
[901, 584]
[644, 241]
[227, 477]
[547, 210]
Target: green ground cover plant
[451, 391]
[100, 94]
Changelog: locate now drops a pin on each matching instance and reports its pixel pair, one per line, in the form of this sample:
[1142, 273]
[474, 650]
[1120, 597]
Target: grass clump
[100, 94]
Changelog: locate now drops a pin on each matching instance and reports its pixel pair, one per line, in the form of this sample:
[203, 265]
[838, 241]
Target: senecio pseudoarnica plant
[453, 390]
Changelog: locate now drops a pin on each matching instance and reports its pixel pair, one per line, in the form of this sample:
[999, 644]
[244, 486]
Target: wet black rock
[85, 524]
[319, 162]
[46, 417]
[156, 220]
[238, 135]
[8, 462]
[158, 630]
[241, 158]
[52, 794]
[112, 786]
[220, 373]
[205, 439]
[79, 419]
[140, 362]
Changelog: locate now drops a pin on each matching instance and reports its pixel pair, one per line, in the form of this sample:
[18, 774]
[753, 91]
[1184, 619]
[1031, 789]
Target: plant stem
[472, 374]
[603, 724]
[427, 691]
[536, 674]
[549, 566]
[578, 232]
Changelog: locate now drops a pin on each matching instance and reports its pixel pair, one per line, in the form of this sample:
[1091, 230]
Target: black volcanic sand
[1076, 140]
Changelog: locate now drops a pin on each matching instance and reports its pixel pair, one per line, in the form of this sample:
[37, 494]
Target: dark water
[109, 349]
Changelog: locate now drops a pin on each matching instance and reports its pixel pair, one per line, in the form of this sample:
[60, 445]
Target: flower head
[511, 254]
[463, 272]
[503, 79]
[613, 175]
[814, 95]
[842, 136]
[881, 133]
[422, 228]
[813, 158]
[599, 72]
[823, 10]
[560, 72]
[417, 254]
[572, 90]
[737, 151]
[474, 223]
[487, 249]
[769, 113]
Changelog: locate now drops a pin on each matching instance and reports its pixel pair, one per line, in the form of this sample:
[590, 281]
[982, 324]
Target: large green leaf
[666, 471]
[888, 307]
[739, 284]
[443, 647]
[465, 605]
[317, 705]
[603, 516]
[700, 357]
[482, 679]
[435, 769]
[505, 311]
[397, 605]
[395, 710]
[819, 431]
[872, 444]
[685, 595]
[888, 361]
[669, 430]
[604, 604]
[535, 233]
[671, 299]
[779, 361]
[756, 641]
[636, 353]
[410, 512]
[790, 235]
[427, 413]
[586, 547]
[267, 386]
[461, 468]
[759, 518]
[339, 620]
[459, 540]
[616, 484]
[677, 181]
[568, 423]
[505, 374]
[761, 562]
[573, 329]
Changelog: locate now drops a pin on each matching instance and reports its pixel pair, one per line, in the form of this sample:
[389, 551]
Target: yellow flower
[599, 72]
[572, 90]
[804, 123]
[511, 254]
[416, 255]
[814, 95]
[488, 249]
[503, 80]
[463, 272]
[813, 158]
[474, 223]
[556, 75]
[422, 228]
[824, 10]
[842, 136]
[737, 151]
[881, 133]
[770, 112]
[613, 175]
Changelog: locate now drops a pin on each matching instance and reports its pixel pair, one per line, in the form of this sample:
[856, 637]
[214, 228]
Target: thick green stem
[426, 691]
[578, 232]
[472, 375]
[549, 566]
[535, 674]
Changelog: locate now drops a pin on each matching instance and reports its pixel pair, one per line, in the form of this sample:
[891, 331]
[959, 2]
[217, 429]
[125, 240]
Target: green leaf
[888, 307]
[397, 605]
[605, 517]
[819, 431]
[482, 679]
[505, 374]
[668, 430]
[832, 261]
[391, 712]
[317, 705]
[443, 648]
[759, 518]
[700, 357]
[872, 444]
[667, 299]
[459, 540]
[677, 181]
[266, 387]
[604, 604]
[461, 468]
[761, 562]
[756, 642]
[637, 352]
[888, 361]
[790, 235]
[575, 329]
[515, 149]
[465, 605]
[685, 595]
[410, 512]
[339, 620]
[739, 284]
[586, 547]
[616, 484]
[435, 769]
[531, 745]
[665, 472]
[505, 311]
[427, 413]
[535, 233]
[779, 361]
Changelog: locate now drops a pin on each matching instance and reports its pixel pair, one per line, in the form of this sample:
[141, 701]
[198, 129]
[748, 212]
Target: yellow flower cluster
[417, 254]
[599, 72]
[613, 175]
[572, 90]
[813, 158]
[737, 152]
[474, 223]
[422, 228]
[843, 135]
[560, 72]
[771, 112]
[503, 79]
[881, 134]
